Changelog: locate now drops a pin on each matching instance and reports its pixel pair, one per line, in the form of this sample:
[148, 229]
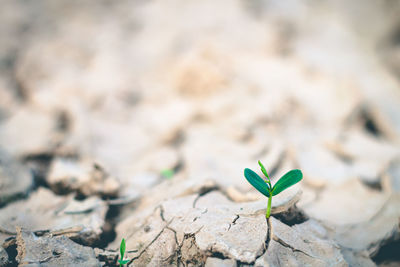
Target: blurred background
[198, 90]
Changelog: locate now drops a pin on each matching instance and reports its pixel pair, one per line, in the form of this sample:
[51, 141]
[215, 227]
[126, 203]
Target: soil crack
[283, 243]
[150, 243]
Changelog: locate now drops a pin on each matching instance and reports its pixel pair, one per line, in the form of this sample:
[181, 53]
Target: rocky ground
[135, 120]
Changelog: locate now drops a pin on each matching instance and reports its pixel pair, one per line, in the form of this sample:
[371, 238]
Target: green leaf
[167, 173]
[123, 261]
[122, 248]
[257, 182]
[263, 169]
[290, 178]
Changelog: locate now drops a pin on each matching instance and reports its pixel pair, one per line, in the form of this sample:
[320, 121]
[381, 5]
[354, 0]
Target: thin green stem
[269, 206]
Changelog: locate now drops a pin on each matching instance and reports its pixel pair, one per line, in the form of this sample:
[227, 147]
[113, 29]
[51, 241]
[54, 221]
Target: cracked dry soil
[135, 120]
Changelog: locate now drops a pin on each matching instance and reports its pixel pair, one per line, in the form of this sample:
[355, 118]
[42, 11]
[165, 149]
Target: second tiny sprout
[122, 247]
[265, 187]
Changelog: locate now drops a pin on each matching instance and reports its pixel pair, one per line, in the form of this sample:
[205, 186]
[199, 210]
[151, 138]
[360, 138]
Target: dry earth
[99, 98]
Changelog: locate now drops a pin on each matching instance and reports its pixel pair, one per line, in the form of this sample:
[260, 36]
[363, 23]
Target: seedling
[122, 248]
[167, 173]
[265, 187]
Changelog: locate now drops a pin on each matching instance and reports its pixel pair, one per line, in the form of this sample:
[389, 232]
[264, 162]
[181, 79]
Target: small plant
[167, 173]
[122, 248]
[265, 187]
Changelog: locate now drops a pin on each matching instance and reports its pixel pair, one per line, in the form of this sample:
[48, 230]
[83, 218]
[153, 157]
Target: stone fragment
[3, 257]
[164, 158]
[349, 203]
[155, 195]
[92, 138]
[139, 183]
[238, 196]
[216, 262]
[369, 156]
[80, 220]
[385, 104]
[372, 233]
[321, 167]
[366, 116]
[52, 251]
[203, 161]
[29, 131]
[300, 246]
[85, 177]
[357, 259]
[108, 138]
[218, 228]
[15, 179]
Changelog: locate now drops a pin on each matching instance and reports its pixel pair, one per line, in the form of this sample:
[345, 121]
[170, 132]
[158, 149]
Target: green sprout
[122, 248]
[167, 173]
[265, 187]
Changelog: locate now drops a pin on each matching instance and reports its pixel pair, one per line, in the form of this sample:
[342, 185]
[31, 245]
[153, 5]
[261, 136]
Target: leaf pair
[290, 178]
[122, 248]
